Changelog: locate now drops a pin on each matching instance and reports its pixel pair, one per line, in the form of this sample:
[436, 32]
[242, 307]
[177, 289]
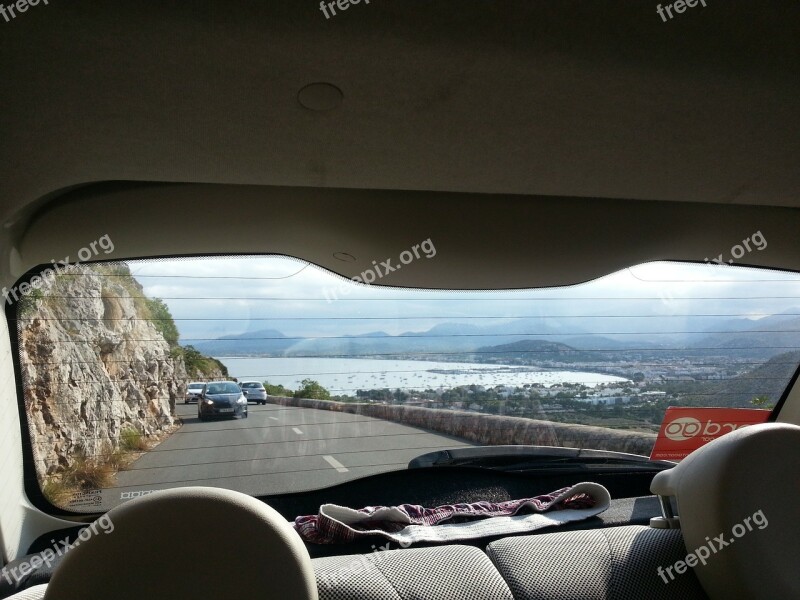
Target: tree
[28, 303]
[313, 390]
[162, 319]
[197, 364]
[277, 390]
[762, 402]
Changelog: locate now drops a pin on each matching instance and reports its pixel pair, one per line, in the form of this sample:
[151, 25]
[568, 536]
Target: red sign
[686, 429]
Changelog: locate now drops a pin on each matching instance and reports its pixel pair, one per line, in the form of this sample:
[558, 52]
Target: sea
[345, 376]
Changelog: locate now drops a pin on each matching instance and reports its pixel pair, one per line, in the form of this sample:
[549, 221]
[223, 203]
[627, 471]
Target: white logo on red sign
[684, 428]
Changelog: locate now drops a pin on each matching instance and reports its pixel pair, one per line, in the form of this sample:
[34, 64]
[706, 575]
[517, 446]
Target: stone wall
[491, 430]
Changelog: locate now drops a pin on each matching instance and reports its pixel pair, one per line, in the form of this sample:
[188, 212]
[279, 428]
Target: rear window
[250, 385]
[362, 379]
[222, 388]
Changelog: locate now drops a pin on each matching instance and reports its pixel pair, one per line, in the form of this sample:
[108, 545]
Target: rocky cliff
[94, 364]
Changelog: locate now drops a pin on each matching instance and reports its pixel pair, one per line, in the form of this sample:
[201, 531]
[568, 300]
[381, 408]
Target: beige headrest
[738, 498]
[187, 543]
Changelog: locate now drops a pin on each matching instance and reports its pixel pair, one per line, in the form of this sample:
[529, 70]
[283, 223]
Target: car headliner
[536, 142]
[529, 139]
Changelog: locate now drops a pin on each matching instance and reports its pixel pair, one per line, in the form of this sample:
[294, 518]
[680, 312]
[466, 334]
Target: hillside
[766, 338]
[769, 379]
[100, 364]
[444, 337]
[701, 337]
[266, 341]
[538, 350]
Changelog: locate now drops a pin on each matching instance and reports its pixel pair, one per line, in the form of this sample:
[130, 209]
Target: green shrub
[57, 492]
[130, 440]
[27, 304]
[313, 390]
[198, 365]
[162, 319]
[277, 390]
[88, 474]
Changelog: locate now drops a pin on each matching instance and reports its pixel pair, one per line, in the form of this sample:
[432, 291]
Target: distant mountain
[539, 350]
[447, 329]
[769, 379]
[466, 337]
[599, 342]
[764, 338]
[407, 343]
[441, 338]
[735, 337]
[264, 341]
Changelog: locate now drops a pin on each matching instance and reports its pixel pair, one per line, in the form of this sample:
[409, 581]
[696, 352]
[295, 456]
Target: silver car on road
[254, 391]
[193, 391]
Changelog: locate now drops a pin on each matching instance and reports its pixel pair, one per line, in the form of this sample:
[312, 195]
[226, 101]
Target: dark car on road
[254, 391]
[221, 399]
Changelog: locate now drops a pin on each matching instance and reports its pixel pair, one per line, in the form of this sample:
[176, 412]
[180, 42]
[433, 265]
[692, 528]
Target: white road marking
[297, 431]
[274, 418]
[335, 464]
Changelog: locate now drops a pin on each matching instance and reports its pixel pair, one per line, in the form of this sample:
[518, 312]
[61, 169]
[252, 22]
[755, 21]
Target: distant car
[254, 391]
[221, 399]
[193, 391]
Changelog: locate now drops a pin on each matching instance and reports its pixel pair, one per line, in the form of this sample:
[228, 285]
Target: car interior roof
[530, 110]
[536, 142]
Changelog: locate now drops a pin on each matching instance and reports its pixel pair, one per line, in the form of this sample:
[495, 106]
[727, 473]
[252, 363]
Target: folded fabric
[410, 523]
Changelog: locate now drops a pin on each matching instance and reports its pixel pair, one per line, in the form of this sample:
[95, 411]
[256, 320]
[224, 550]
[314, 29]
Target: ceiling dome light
[320, 96]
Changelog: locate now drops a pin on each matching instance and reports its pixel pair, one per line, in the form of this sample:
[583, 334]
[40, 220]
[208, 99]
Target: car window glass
[108, 350]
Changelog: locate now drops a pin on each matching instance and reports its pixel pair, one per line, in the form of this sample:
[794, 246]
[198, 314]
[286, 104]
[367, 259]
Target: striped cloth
[410, 523]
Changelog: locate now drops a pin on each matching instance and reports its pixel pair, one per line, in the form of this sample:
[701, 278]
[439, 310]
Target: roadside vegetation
[28, 303]
[198, 365]
[277, 390]
[96, 472]
[313, 390]
[159, 315]
[308, 389]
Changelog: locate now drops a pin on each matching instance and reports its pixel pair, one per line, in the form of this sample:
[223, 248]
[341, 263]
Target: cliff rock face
[93, 365]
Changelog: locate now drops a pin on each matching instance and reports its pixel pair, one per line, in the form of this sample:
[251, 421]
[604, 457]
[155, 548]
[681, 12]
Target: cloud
[215, 296]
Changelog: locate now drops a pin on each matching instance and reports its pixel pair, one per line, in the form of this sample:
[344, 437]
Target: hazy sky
[211, 297]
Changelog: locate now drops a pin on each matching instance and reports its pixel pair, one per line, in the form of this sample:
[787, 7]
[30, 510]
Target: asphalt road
[277, 449]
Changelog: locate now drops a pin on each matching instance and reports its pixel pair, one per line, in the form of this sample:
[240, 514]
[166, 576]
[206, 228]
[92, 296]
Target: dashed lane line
[335, 464]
